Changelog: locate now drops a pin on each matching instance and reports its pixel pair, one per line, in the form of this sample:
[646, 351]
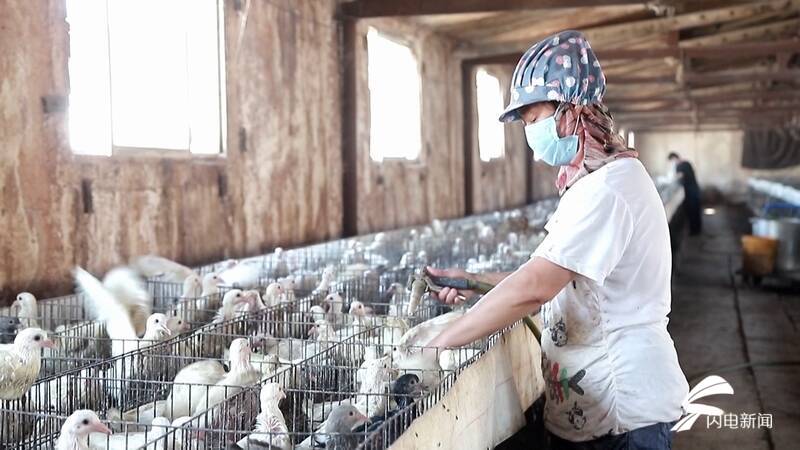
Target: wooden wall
[283, 177]
[393, 194]
[280, 182]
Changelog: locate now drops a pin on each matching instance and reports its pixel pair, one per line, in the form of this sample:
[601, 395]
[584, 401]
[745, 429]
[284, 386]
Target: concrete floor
[718, 322]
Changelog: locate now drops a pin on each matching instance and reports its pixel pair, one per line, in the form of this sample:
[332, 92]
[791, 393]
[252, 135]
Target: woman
[601, 278]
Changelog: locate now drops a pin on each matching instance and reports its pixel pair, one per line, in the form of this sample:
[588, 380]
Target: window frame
[503, 100]
[397, 160]
[133, 152]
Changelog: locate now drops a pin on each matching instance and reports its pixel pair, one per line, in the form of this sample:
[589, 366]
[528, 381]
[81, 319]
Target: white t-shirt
[609, 364]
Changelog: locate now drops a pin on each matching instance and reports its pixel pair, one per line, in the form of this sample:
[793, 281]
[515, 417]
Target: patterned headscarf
[563, 68]
[598, 144]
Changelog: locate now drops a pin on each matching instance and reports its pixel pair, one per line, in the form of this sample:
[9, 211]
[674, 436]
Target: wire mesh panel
[338, 341]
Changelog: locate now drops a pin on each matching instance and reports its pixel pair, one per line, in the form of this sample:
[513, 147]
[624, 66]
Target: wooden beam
[770, 30]
[349, 120]
[382, 8]
[725, 51]
[607, 36]
[467, 101]
[731, 76]
[632, 30]
[716, 98]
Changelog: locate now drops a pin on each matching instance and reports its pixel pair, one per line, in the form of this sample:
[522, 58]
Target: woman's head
[557, 91]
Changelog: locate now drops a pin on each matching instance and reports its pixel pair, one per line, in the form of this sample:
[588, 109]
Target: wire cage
[317, 385]
[320, 357]
[53, 313]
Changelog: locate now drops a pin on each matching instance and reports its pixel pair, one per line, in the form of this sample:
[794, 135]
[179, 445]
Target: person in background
[685, 173]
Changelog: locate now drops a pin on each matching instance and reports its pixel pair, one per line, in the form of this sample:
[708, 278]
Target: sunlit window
[491, 132]
[394, 99]
[631, 139]
[145, 74]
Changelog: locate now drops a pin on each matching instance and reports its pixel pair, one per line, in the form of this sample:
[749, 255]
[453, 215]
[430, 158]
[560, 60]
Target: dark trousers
[653, 437]
[693, 209]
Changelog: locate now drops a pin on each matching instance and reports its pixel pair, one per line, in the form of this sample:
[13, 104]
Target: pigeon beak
[16, 304]
[165, 330]
[100, 427]
[49, 343]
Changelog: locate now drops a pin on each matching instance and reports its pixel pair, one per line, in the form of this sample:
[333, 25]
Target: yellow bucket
[758, 255]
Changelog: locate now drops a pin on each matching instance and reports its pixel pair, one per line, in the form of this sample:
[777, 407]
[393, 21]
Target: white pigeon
[130, 440]
[77, 427]
[280, 267]
[422, 334]
[28, 312]
[122, 293]
[230, 301]
[324, 286]
[288, 284]
[200, 309]
[273, 294]
[333, 304]
[244, 275]
[190, 385]
[270, 430]
[242, 374]
[156, 266]
[21, 361]
[192, 287]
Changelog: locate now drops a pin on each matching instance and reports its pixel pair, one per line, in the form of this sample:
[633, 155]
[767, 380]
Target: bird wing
[152, 265]
[243, 275]
[103, 305]
[129, 289]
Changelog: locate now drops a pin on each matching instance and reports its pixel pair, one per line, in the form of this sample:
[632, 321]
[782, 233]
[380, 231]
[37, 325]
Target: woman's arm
[521, 293]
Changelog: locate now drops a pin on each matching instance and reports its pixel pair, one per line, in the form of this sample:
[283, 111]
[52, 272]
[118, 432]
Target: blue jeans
[653, 437]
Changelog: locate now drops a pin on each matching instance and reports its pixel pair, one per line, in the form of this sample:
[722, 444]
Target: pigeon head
[287, 282]
[8, 328]
[192, 282]
[261, 341]
[316, 312]
[211, 281]
[271, 393]
[343, 418]
[157, 326]
[357, 308]
[274, 290]
[176, 325]
[235, 297]
[33, 338]
[333, 303]
[26, 302]
[406, 389]
[328, 273]
[81, 423]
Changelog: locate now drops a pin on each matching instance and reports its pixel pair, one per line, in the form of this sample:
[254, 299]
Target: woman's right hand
[448, 295]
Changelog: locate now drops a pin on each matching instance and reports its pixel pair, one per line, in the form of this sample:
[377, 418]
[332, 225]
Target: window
[146, 74]
[394, 99]
[491, 132]
[631, 139]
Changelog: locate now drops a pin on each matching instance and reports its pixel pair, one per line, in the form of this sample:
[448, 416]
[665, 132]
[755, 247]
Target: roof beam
[383, 8]
[716, 98]
[633, 30]
[724, 51]
[606, 36]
